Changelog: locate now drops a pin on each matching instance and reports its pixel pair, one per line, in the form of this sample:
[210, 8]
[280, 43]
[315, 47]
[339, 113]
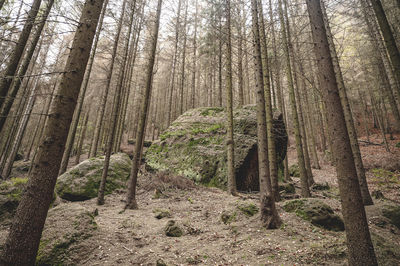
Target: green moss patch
[249, 209]
[316, 212]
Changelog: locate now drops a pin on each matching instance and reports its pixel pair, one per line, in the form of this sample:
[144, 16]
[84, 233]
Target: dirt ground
[136, 237]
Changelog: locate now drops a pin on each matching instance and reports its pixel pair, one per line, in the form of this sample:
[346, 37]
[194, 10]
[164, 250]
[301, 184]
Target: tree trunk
[347, 114]
[305, 190]
[273, 167]
[269, 215]
[23, 240]
[103, 103]
[390, 42]
[131, 197]
[114, 114]
[229, 105]
[24, 66]
[11, 68]
[360, 248]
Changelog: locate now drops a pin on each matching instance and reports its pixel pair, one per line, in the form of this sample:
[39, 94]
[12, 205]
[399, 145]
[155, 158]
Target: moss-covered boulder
[172, 229]
[195, 146]
[20, 168]
[317, 212]
[82, 181]
[67, 227]
[10, 196]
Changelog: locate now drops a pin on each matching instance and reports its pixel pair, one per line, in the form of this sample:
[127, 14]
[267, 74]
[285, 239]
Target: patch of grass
[384, 177]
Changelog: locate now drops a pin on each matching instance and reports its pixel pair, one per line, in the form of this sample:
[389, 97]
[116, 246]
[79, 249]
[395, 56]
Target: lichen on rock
[82, 181]
[194, 146]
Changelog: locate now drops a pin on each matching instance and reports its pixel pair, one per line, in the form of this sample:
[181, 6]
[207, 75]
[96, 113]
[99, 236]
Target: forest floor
[136, 237]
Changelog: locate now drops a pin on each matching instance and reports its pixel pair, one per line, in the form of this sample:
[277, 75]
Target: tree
[115, 113]
[360, 248]
[9, 72]
[229, 105]
[269, 215]
[131, 196]
[390, 42]
[348, 115]
[23, 240]
[24, 66]
[305, 190]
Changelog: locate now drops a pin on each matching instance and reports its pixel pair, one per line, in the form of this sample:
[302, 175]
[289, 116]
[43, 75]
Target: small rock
[173, 230]
[160, 262]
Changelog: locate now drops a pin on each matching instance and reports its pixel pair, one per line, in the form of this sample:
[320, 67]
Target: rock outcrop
[82, 181]
[194, 146]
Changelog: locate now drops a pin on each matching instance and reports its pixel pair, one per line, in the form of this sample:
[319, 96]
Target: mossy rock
[398, 145]
[131, 141]
[319, 186]
[147, 143]
[316, 212]
[287, 188]
[67, 227]
[393, 214]
[294, 170]
[10, 196]
[194, 146]
[172, 229]
[161, 213]
[82, 181]
[249, 209]
[227, 217]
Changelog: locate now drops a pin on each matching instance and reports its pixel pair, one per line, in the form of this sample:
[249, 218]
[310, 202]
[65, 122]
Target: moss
[161, 213]
[316, 212]
[248, 209]
[288, 188]
[211, 111]
[393, 214]
[173, 230]
[228, 218]
[387, 252]
[294, 170]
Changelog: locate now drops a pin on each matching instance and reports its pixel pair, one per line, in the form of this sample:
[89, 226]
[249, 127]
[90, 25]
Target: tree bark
[10, 70]
[23, 240]
[360, 248]
[269, 215]
[131, 196]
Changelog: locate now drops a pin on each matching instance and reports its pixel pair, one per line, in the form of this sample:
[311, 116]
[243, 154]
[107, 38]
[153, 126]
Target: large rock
[194, 146]
[317, 212]
[10, 196]
[67, 227]
[82, 181]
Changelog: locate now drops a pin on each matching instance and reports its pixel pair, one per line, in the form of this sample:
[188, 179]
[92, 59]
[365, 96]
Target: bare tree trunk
[114, 114]
[390, 42]
[269, 116]
[103, 103]
[305, 190]
[229, 105]
[23, 240]
[10, 70]
[269, 215]
[131, 197]
[24, 66]
[360, 248]
[348, 115]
